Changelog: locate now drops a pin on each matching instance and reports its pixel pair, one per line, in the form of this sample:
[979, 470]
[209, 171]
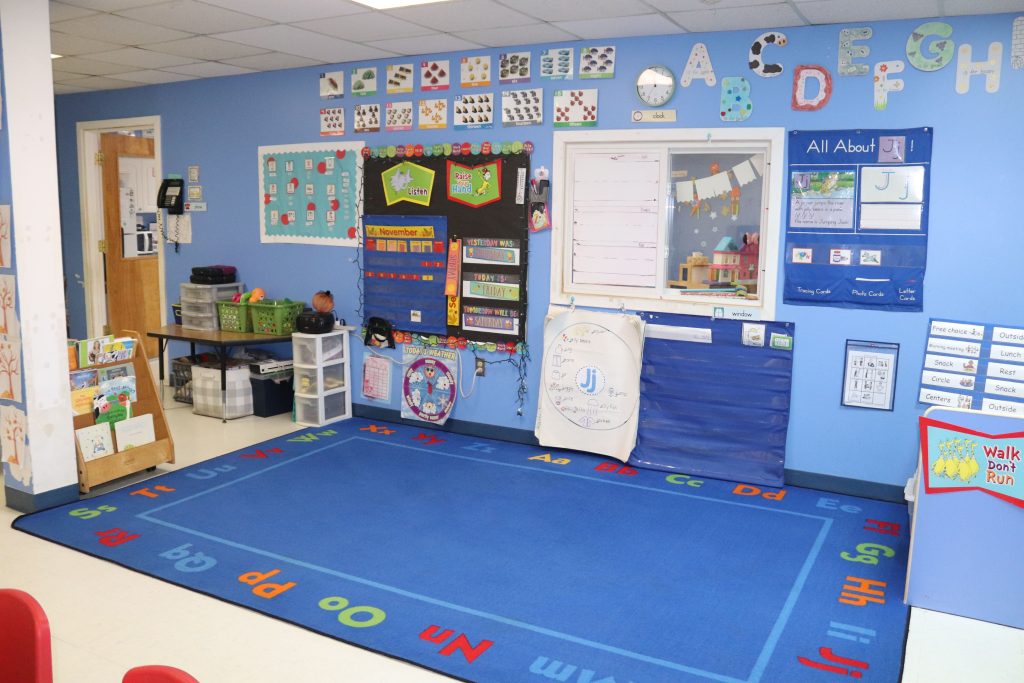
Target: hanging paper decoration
[408, 182]
[474, 185]
[430, 384]
[801, 75]
[756, 57]
[885, 85]
[1017, 46]
[941, 50]
[990, 68]
[736, 104]
[698, 65]
[848, 51]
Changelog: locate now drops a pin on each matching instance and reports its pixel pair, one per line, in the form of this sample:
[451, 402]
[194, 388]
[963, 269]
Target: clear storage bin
[210, 293]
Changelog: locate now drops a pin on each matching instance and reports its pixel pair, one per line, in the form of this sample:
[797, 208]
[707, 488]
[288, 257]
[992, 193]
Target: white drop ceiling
[109, 44]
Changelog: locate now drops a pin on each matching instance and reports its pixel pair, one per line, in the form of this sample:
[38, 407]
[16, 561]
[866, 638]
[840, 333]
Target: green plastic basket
[275, 316]
[234, 317]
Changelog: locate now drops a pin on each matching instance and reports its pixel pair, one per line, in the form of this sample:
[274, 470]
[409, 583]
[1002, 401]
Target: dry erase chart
[590, 382]
[979, 366]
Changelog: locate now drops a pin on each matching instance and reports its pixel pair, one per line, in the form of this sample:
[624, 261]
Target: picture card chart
[615, 206]
[399, 78]
[434, 75]
[398, 116]
[513, 67]
[522, 107]
[857, 229]
[978, 366]
[597, 62]
[332, 121]
[309, 193]
[870, 374]
[557, 63]
[364, 81]
[473, 111]
[433, 114]
[366, 118]
[475, 71]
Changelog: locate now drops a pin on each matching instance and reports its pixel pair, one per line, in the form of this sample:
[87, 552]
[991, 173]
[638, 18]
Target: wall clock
[655, 85]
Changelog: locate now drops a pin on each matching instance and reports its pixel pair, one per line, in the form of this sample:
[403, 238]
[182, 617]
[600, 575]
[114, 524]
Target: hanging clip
[572, 304]
[622, 307]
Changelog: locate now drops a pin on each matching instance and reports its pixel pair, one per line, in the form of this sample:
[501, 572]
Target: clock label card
[654, 116]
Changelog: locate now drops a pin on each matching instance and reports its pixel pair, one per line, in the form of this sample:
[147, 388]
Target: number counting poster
[477, 285]
[309, 193]
[857, 235]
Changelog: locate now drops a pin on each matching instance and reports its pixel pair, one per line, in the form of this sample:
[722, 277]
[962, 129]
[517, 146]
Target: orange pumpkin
[323, 301]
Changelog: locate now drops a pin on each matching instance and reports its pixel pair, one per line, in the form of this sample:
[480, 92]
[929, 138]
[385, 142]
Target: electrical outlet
[481, 367]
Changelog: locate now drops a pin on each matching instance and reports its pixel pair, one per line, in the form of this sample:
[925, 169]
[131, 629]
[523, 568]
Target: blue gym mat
[500, 562]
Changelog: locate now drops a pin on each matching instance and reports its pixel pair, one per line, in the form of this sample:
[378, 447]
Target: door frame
[90, 191]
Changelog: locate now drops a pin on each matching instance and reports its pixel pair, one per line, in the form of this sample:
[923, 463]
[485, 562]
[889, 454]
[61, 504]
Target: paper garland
[716, 184]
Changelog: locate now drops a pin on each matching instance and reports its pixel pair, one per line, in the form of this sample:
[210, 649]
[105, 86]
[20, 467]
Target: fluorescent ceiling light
[394, 4]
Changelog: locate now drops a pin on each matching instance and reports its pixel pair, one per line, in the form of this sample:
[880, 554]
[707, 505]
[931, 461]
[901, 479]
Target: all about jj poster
[857, 234]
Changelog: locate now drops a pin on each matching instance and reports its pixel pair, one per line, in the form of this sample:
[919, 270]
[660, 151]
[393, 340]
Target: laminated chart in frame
[857, 234]
[590, 382]
[310, 193]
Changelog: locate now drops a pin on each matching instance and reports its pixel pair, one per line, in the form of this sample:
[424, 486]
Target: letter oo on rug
[266, 590]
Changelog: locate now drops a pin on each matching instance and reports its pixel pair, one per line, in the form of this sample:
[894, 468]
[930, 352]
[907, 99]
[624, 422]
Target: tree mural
[6, 303]
[14, 434]
[5, 236]
[10, 367]
[15, 450]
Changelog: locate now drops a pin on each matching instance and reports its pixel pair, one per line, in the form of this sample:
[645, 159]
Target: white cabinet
[322, 377]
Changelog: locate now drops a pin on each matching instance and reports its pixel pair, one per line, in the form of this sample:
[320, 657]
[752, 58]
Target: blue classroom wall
[975, 224]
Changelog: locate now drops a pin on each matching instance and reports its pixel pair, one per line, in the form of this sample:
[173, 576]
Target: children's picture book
[91, 350]
[84, 385]
[120, 386]
[134, 431]
[122, 348]
[72, 354]
[95, 441]
[111, 407]
[116, 372]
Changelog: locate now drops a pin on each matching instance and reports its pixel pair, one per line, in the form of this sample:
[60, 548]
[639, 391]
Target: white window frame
[666, 141]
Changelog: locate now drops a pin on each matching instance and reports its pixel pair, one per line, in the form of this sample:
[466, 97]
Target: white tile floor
[105, 620]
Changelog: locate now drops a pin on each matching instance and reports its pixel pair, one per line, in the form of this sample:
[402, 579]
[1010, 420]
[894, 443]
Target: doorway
[123, 261]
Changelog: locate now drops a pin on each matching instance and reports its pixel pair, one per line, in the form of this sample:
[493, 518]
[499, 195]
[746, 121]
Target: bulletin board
[857, 228]
[309, 193]
[482, 201]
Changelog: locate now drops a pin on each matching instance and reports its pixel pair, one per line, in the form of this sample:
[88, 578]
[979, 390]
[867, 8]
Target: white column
[25, 27]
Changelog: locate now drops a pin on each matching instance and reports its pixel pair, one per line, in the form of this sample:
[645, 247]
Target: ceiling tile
[194, 17]
[60, 12]
[424, 45]
[210, 70]
[67, 44]
[283, 11]
[738, 18]
[567, 10]
[66, 77]
[271, 61]
[153, 76]
[297, 41]
[117, 30]
[839, 11]
[502, 37]
[110, 5]
[101, 83]
[65, 89]
[463, 15]
[618, 27]
[88, 67]
[137, 58]
[204, 47]
[365, 27]
[691, 5]
[958, 7]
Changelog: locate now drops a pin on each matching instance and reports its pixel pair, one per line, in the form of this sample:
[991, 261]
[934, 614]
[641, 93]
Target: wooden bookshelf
[122, 463]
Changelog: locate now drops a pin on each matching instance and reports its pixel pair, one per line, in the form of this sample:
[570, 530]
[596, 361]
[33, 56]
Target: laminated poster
[430, 384]
[857, 229]
[309, 193]
[590, 382]
[954, 458]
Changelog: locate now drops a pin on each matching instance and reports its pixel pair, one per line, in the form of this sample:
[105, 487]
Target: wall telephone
[171, 196]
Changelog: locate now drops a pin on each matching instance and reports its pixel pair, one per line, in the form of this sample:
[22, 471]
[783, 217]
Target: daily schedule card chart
[978, 366]
[870, 374]
[857, 231]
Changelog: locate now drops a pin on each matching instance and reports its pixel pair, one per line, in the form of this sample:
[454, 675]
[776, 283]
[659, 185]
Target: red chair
[157, 674]
[24, 639]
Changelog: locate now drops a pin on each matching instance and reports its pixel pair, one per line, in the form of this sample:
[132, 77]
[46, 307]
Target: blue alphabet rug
[499, 562]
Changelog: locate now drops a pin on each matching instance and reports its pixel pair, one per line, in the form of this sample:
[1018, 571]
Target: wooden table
[216, 338]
